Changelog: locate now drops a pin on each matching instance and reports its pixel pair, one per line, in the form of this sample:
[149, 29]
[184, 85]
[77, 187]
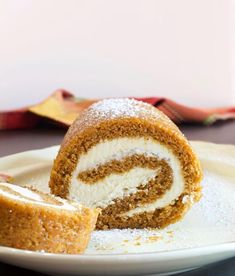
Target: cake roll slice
[36, 221]
[129, 159]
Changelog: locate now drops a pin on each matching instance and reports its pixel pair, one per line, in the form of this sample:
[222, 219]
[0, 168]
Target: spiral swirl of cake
[129, 159]
[36, 221]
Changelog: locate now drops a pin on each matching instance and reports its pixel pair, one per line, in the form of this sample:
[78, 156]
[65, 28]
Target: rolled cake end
[36, 221]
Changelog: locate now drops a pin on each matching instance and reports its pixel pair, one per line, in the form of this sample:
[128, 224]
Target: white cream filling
[32, 197]
[102, 193]
[114, 186]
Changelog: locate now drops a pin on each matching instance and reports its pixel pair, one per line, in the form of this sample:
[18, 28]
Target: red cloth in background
[63, 107]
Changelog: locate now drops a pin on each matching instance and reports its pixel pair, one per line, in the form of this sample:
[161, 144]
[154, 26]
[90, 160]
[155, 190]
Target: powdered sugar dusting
[126, 108]
[217, 206]
[116, 108]
[120, 107]
[188, 198]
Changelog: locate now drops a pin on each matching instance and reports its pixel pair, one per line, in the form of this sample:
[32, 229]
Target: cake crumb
[170, 233]
[154, 238]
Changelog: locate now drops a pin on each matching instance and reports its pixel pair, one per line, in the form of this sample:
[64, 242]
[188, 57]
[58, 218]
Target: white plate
[205, 235]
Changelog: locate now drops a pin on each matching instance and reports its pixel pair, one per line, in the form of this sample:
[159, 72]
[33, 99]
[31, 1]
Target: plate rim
[171, 254]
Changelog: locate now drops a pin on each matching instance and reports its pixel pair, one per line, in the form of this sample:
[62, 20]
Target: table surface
[20, 140]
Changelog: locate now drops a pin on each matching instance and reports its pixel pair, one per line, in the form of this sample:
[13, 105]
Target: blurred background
[182, 49]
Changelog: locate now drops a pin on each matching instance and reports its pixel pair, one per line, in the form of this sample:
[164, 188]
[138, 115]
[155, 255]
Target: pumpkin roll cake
[129, 159]
[36, 221]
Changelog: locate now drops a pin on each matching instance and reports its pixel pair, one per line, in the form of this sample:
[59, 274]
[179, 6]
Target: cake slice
[36, 221]
[129, 159]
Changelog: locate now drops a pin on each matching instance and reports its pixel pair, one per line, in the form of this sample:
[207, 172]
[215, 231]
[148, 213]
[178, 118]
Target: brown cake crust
[29, 226]
[132, 119]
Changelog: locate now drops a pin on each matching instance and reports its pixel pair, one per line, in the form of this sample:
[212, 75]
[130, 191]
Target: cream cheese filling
[31, 197]
[102, 193]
